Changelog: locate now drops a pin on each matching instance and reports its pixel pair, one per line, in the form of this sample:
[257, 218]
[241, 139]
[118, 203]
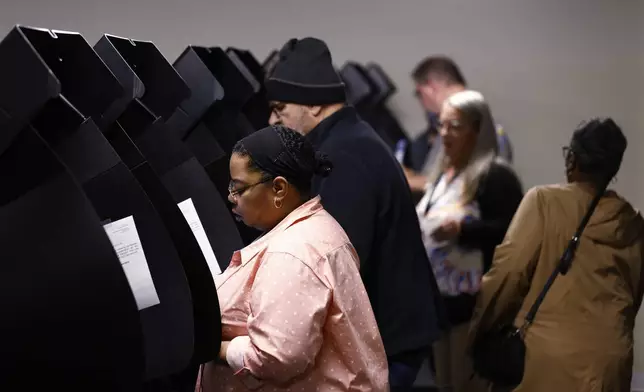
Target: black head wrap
[280, 151]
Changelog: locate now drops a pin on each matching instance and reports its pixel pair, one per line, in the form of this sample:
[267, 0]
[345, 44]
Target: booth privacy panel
[26, 85]
[218, 122]
[69, 318]
[189, 203]
[163, 89]
[205, 91]
[130, 220]
[84, 79]
[257, 109]
[165, 302]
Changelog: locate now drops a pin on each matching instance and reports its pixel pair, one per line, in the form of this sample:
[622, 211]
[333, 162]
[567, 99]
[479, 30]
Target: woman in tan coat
[582, 337]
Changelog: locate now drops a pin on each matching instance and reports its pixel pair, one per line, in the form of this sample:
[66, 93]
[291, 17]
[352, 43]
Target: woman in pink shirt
[295, 313]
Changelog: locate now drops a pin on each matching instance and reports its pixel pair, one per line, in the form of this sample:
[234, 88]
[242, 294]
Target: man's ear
[315, 110]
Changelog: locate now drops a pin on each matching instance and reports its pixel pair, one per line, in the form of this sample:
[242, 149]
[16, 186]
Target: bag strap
[564, 262]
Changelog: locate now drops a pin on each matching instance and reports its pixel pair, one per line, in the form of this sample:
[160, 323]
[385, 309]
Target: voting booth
[381, 116]
[256, 109]
[187, 121]
[125, 205]
[227, 115]
[210, 122]
[70, 319]
[368, 89]
[358, 86]
[270, 62]
[189, 203]
[385, 87]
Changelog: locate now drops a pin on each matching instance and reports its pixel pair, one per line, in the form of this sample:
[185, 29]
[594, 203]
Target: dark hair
[308, 161]
[439, 67]
[598, 147]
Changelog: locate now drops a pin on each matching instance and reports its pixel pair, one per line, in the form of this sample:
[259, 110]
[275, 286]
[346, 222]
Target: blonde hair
[472, 106]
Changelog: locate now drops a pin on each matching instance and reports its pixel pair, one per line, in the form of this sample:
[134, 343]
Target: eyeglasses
[277, 108]
[566, 151]
[235, 193]
[451, 126]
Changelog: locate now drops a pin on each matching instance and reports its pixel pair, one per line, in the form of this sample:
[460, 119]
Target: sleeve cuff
[237, 348]
[235, 353]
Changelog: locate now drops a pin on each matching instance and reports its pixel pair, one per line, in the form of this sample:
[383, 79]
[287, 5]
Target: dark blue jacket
[369, 196]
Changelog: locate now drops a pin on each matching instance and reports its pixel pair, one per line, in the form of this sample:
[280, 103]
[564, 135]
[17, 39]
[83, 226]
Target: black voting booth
[228, 116]
[69, 318]
[67, 124]
[153, 93]
[211, 121]
[187, 122]
[270, 62]
[256, 109]
[368, 89]
[358, 87]
[381, 115]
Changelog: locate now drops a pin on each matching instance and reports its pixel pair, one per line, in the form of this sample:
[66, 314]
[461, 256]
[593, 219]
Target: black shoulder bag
[499, 356]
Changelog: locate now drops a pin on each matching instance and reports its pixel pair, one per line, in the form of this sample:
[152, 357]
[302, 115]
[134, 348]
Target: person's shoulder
[543, 194]
[359, 131]
[501, 169]
[499, 164]
[312, 239]
[361, 151]
[500, 182]
[555, 190]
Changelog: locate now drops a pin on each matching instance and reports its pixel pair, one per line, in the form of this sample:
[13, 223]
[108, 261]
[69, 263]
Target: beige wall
[636, 176]
[544, 65]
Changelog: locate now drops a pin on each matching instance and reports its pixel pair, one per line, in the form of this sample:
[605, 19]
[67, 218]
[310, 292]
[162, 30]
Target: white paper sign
[127, 244]
[190, 213]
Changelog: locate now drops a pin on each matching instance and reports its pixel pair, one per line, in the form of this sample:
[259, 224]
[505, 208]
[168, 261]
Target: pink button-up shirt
[299, 318]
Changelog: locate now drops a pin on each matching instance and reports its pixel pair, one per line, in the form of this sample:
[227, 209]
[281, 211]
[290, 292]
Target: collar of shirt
[302, 212]
[321, 132]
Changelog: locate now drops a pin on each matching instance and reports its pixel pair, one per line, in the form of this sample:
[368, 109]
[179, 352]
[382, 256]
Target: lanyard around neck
[449, 183]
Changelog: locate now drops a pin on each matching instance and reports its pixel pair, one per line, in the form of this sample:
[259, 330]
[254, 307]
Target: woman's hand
[448, 230]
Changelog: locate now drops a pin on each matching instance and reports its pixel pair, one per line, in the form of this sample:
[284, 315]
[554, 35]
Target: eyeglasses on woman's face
[236, 193]
[450, 126]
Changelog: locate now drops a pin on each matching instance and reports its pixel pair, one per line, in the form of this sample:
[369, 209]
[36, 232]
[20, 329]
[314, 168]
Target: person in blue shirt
[436, 78]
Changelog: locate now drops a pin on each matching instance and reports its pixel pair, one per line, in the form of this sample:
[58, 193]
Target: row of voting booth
[369, 88]
[113, 203]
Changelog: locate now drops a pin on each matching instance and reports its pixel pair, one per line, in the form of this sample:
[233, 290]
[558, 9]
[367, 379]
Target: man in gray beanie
[368, 194]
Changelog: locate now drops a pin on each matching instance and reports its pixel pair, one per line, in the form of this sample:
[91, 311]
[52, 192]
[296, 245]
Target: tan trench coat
[582, 337]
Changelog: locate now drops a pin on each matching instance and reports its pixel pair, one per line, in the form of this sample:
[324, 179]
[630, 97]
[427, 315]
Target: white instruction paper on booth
[127, 244]
[189, 212]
